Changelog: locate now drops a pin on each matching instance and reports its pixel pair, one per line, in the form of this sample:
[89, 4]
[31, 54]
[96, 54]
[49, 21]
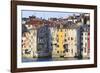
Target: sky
[46, 14]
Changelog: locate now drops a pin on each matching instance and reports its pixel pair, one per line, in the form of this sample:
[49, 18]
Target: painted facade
[64, 42]
[29, 42]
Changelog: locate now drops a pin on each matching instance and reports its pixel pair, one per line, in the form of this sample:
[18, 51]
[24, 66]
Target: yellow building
[60, 42]
[64, 42]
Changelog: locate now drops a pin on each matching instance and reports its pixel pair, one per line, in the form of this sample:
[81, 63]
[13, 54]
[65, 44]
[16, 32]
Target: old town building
[64, 41]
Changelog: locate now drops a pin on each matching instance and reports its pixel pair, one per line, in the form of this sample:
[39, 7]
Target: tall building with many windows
[29, 41]
[43, 49]
[64, 41]
[85, 36]
[85, 41]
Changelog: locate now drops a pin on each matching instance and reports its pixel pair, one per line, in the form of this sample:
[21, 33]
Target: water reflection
[49, 59]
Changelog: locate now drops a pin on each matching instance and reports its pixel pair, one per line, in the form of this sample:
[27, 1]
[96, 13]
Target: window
[85, 20]
[64, 51]
[88, 25]
[57, 51]
[51, 44]
[85, 50]
[81, 44]
[71, 38]
[65, 47]
[65, 35]
[81, 33]
[85, 44]
[57, 45]
[22, 40]
[22, 45]
[68, 38]
[57, 40]
[27, 51]
[65, 40]
[57, 35]
[30, 46]
[88, 33]
[81, 38]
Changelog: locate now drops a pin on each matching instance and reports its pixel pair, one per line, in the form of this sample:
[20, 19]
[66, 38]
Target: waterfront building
[85, 35]
[64, 42]
[29, 41]
[43, 49]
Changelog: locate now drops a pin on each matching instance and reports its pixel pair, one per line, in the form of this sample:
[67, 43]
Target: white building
[71, 40]
[29, 42]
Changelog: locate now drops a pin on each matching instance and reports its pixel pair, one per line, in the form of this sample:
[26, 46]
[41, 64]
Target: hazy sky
[46, 14]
